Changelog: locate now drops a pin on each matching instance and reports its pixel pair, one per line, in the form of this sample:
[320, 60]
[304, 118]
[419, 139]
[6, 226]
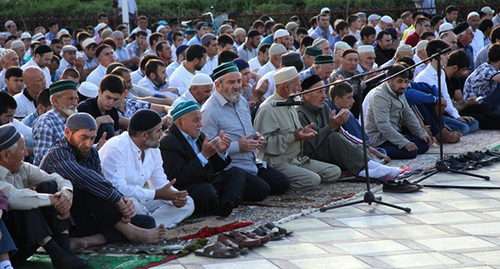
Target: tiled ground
[447, 228]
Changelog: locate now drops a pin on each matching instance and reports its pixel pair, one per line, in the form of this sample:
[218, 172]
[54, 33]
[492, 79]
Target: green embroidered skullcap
[184, 108]
[313, 51]
[62, 85]
[225, 68]
[323, 59]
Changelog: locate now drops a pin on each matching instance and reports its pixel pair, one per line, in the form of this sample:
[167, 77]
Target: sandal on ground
[281, 230]
[231, 244]
[217, 250]
[273, 233]
[263, 239]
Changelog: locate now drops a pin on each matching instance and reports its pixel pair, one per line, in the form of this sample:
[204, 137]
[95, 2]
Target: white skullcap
[373, 17]
[8, 23]
[290, 26]
[201, 80]
[101, 26]
[25, 35]
[365, 49]
[116, 34]
[3, 35]
[318, 41]
[445, 27]
[159, 28]
[62, 31]
[37, 37]
[281, 33]
[487, 10]
[276, 49]
[17, 44]
[68, 48]
[404, 48]
[341, 45]
[87, 42]
[88, 89]
[239, 31]
[325, 10]
[285, 74]
[421, 45]
[5, 52]
[386, 19]
[472, 14]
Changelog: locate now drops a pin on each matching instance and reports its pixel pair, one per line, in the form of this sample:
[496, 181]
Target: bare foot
[148, 236]
[78, 244]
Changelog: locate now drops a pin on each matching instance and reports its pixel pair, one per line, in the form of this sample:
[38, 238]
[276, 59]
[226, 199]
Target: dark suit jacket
[180, 160]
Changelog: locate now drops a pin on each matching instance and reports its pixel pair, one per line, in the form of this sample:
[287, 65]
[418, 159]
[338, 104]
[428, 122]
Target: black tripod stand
[441, 166]
[368, 197]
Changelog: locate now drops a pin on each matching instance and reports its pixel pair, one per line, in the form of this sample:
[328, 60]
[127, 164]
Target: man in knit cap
[70, 60]
[283, 135]
[275, 52]
[199, 90]
[8, 58]
[309, 54]
[323, 67]
[198, 162]
[227, 111]
[132, 159]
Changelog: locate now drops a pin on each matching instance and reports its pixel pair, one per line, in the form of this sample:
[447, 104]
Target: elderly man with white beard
[50, 126]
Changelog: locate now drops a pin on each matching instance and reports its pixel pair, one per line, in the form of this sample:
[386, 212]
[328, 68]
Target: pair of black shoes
[480, 158]
[401, 187]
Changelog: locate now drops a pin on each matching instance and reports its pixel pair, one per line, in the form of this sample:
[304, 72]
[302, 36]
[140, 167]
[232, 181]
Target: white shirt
[429, 75]
[122, 54]
[377, 29]
[268, 67]
[63, 65]
[132, 6]
[97, 75]
[21, 128]
[148, 84]
[136, 76]
[24, 105]
[254, 64]
[210, 65]
[419, 68]
[2, 80]
[270, 78]
[181, 78]
[477, 43]
[122, 166]
[45, 70]
[187, 96]
[89, 63]
[171, 68]
[137, 29]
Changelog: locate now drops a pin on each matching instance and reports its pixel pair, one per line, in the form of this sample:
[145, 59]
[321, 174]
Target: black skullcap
[144, 119]
[290, 59]
[8, 136]
[42, 49]
[100, 48]
[460, 28]
[81, 120]
[253, 33]
[309, 82]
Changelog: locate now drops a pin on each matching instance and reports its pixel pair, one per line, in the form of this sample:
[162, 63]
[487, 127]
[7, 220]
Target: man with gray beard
[50, 126]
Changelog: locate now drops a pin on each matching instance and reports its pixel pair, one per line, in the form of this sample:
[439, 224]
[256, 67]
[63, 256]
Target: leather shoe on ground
[399, 187]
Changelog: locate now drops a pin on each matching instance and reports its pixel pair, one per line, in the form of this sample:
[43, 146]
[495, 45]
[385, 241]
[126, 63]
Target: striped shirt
[85, 174]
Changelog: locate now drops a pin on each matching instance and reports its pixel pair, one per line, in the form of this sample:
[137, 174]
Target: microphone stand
[368, 197]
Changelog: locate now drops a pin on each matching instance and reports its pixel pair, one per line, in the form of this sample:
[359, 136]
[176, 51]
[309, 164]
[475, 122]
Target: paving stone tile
[370, 247]
[416, 207]
[486, 257]
[304, 223]
[455, 243]
[411, 231]
[261, 264]
[446, 218]
[417, 259]
[474, 203]
[332, 235]
[174, 266]
[290, 250]
[491, 228]
[371, 221]
[328, 262]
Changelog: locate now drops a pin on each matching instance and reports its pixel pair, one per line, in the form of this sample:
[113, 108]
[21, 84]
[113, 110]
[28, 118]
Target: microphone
[289, 102]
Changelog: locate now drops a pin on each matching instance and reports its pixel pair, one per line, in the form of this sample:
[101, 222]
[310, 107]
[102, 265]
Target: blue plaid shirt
[46, 130]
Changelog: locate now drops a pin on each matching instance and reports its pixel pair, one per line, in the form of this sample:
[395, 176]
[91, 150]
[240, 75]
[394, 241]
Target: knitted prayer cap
[81, 120]
[309, 82]
[17, 44]
[201, 80]
[242, 64]
[224, 69]
[8, 136]
[5, 52]
[62, 85]
[88, 89]
[323, 59]
[285, 74]
[313, 51]
[144, 119]
[181, 49]
[184, 108]
[348, 51]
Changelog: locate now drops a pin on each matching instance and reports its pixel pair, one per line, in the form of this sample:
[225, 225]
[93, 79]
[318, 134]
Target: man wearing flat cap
[132, 159]
[198, 162]
[50, 126]
[70, 60]
[283, 135]
[101, 213]
[227, 111]
[37, 217]
[43, 56]
[105, 56]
